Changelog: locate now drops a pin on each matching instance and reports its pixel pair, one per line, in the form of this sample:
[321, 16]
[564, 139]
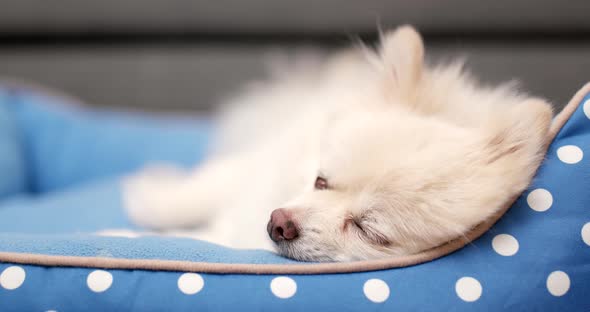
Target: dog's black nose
[282, 226]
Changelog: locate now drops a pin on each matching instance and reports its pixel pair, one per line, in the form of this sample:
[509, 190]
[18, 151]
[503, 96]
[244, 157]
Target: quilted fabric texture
[536, 258]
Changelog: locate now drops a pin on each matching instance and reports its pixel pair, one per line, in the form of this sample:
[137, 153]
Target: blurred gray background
[180, 55]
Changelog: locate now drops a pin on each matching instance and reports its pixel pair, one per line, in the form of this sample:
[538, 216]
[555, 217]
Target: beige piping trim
[316, 268]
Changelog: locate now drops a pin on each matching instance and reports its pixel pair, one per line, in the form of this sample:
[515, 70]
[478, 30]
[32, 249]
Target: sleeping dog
[361, 155]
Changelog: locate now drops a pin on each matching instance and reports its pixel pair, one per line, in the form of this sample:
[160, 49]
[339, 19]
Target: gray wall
[187, 55]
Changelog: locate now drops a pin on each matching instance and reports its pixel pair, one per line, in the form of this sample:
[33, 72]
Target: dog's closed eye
[366, 231]
[321, 183]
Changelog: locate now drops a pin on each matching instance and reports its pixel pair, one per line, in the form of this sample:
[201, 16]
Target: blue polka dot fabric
[536, 258]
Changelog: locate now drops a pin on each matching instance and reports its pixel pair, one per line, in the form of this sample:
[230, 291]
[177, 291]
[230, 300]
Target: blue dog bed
[61, 168]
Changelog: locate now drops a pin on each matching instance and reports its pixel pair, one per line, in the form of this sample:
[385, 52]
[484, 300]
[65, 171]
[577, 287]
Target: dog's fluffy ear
[402, 54]
[521, 132]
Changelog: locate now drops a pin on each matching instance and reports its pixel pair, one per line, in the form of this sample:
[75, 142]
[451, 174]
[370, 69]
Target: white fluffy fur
[414, 156]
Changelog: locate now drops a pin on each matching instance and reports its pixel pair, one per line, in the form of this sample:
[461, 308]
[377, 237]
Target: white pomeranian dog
[369, 154]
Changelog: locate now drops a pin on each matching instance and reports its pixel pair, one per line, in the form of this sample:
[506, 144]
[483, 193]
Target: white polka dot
[468, 289]
[540, 200]
[376, 290]
[587, 108]
[586, 233]
[99, 280]
[570, 154]
[283, 287]
[505, 245]
[190, 283]
[12, 277]
[558, 283]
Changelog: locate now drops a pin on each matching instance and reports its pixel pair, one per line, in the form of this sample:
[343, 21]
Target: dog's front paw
[148, 197]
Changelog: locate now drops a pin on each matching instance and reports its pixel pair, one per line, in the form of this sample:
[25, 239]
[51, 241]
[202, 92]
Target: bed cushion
[12, 168]
[66, 144]
[536, 257]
